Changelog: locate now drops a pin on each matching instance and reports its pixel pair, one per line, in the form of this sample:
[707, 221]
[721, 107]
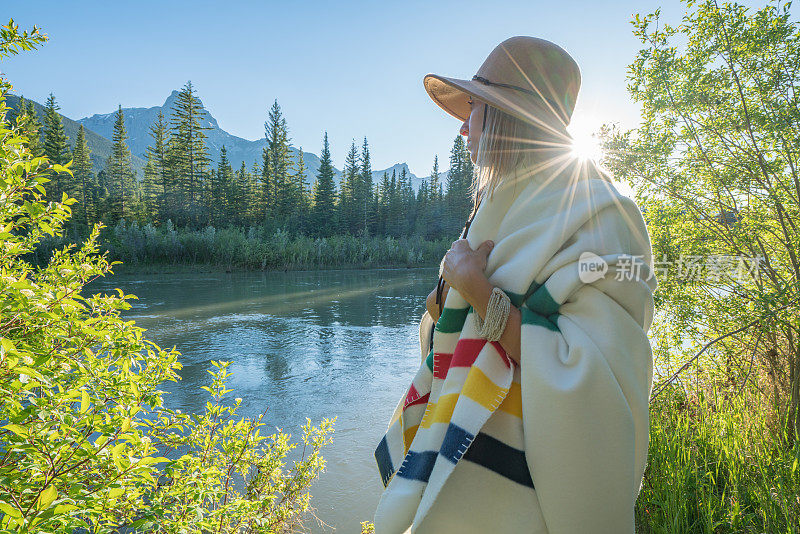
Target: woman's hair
[508, 143]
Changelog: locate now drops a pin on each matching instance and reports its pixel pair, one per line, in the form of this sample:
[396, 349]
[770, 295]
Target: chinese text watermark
[711, 268]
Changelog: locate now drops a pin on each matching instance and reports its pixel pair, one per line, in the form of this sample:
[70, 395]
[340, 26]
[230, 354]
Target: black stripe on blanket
[500, 458]
[485, 451]
[384, 460]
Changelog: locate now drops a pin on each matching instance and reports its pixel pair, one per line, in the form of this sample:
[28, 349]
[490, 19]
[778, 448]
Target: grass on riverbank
[718, 463]
[147, 248]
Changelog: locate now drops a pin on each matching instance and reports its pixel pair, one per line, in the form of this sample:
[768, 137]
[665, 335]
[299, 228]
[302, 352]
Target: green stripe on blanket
[452, 320]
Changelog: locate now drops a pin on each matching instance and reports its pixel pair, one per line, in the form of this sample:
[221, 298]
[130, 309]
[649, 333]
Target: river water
[303, 344]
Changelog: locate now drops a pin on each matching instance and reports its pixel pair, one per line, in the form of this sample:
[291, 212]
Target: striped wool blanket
[575, 256]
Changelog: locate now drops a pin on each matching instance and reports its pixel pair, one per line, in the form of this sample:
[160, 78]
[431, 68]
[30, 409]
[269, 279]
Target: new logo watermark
[591, 267]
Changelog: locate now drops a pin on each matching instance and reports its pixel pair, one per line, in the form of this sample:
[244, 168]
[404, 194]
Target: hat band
[516, 87]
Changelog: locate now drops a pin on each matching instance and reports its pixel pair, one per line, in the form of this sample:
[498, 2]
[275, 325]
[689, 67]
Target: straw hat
[530, 78]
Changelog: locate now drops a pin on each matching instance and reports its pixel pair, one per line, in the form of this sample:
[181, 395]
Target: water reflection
[303, 344]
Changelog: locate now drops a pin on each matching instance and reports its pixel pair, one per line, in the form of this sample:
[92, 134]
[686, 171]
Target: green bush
[85, 440]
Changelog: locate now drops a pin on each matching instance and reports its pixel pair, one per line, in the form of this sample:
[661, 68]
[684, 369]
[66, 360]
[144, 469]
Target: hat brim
[452, 95]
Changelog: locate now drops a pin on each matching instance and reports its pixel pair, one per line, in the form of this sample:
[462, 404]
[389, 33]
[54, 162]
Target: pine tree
[102, 198]
[435, 187]
[31, 126]
[56, 142]
[394, 219]
[457, 199]
[277, 161]
[257, 212]
[266, 188]
[163, 185]
[350, 183]
[56, 147]
[407, 202]
[119, 172]
[151, 189]
[433, 212]
[188, 149]
[383, 204]
[221, 181]
[364, 198]
[299, 196]
[324, 194]
[240, 196]
[422, 208]
[85, 212]
[250, 198]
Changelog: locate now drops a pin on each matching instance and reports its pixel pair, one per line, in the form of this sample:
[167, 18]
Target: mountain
[377, 176]
[99, 130]
[99, 145]
[139, 120]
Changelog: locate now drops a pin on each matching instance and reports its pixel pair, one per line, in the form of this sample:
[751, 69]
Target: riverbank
[148, 249]
[208, 268]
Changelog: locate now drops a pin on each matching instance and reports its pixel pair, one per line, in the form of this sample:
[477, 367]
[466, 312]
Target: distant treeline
[183, 187]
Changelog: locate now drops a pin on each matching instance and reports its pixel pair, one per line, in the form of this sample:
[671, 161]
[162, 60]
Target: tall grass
[719, 463]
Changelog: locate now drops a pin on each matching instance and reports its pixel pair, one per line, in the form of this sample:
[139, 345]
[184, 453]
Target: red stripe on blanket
[441, 363]
[508, 361]
[421, 400]
[466, 352]
[412, 395]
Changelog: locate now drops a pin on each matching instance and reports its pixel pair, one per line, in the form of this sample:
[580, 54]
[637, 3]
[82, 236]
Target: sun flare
[585, 145]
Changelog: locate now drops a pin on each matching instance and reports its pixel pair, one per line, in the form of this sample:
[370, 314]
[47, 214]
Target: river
[303, 344]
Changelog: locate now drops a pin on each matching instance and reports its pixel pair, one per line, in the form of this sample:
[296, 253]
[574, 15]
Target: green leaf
[7, 345]
[116, 450]
[64, 508]
[115, 492]
[84, 401]
[17, 429]
[46, 497]
[10, 510]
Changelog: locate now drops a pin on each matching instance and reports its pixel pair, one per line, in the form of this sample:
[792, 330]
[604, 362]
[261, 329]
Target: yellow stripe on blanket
[441, 411]
[512, 404]
[477, 387]
[482, 390]
[408, 437]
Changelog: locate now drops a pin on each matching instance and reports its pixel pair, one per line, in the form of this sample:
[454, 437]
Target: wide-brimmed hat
[530, 78]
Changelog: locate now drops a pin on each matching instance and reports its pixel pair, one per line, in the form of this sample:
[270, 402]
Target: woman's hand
[461, 265]
[430, 303]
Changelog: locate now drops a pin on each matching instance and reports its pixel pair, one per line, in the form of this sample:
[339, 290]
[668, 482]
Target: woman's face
[472, 127]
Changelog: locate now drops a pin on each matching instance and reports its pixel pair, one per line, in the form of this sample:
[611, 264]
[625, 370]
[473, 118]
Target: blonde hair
[507, 144]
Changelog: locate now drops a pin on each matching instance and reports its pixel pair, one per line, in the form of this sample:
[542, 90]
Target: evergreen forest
[182, 196]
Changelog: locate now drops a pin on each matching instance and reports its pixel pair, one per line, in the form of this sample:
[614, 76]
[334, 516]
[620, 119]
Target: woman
[529, 412]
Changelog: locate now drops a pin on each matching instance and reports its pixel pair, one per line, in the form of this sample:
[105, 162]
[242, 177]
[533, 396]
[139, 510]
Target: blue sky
[353, 68]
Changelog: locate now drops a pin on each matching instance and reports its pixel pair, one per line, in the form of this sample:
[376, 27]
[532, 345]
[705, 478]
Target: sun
[585, 145]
